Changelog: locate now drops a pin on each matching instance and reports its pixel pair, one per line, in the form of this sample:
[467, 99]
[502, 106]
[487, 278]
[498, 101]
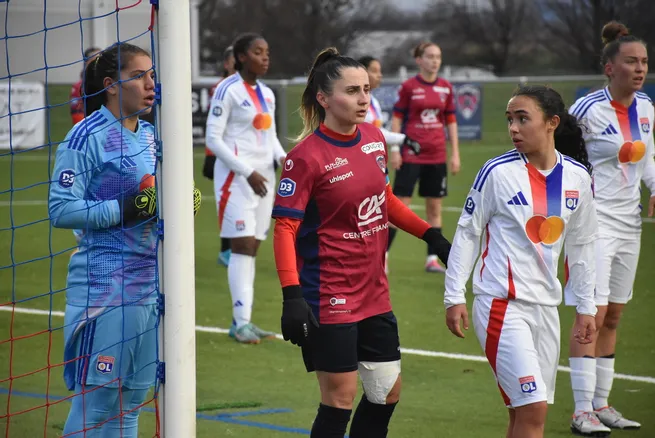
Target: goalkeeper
[102, 183]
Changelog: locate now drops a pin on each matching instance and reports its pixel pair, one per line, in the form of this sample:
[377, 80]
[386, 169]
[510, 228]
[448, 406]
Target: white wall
[72, 29]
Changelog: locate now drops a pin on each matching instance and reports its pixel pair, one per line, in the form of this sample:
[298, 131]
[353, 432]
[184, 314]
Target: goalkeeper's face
[138, 87]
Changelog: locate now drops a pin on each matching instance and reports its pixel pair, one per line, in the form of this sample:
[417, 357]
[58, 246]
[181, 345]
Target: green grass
[441, 397]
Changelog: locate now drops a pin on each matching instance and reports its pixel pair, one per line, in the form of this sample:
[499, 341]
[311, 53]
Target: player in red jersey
[425, 105]
[210, 158]
[332, 211]
[76, 101]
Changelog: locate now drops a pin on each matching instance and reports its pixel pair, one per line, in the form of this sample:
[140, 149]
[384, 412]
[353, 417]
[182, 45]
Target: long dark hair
[326, 69]
[108, 63]
[367, 60]
[568, 135]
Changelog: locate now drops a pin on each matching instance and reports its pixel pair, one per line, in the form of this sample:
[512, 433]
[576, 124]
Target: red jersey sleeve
[295, 188]
[401, 106]
[403, 217]
[284, 248]
[451, 110]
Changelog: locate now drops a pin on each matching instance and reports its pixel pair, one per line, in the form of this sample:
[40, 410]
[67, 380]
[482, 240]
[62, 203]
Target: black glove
[141, 206]
[208, 167]
[412, 145]
[297, 317]
[435, 239]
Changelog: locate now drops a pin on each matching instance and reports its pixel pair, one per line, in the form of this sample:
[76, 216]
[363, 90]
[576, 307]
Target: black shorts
[338, 348]
[432, 180]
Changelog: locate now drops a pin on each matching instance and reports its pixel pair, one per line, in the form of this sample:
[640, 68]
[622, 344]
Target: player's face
[138, 89]
[430, 61]
[228, 65]
[374, 74]
[350, 97]
[629, 67]
[257, 57]
[527, 124]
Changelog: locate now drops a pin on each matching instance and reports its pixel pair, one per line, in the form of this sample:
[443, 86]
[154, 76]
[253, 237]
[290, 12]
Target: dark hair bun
[613, 31]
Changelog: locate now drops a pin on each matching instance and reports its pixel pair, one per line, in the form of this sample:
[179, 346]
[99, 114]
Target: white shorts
[616, 268]
[242, 213]
[522, 343]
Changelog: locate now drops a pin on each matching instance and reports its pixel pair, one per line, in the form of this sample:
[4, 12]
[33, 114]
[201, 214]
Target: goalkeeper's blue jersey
[96, 166]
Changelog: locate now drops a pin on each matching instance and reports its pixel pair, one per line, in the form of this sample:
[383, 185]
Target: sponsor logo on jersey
[370, 209]
[334, 301]
[127, 163]
[338, 162]
[467, 100]
[528, 385]
[105, 364]
[67, 178]
[571, 199]
[382, 163]
[339, 178]
[369, 148]
[286, 188]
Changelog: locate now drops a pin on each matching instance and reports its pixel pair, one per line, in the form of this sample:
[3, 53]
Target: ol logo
[571, 198]
[105, 364]
[528, 385]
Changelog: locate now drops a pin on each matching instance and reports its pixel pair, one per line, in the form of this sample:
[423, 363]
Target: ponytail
[326, 69]
[568, 135]
[569, 140]
[107, 64]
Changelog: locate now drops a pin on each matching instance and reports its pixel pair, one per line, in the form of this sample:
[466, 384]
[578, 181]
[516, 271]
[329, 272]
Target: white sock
[604, 380]
[583, 381]
[241, 277]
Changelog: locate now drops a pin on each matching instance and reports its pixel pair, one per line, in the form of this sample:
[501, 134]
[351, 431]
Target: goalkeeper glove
[197, 200]
[434, 238]
[413, 146]
[297, 317]
[141, 206]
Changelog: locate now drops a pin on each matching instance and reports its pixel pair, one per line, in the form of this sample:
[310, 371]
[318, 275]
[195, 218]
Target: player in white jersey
[618, 122]
[527, 205]
[241, 133]
[395, 140]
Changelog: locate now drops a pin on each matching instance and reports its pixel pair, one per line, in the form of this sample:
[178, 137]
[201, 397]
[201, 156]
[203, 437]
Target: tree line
[506, 37]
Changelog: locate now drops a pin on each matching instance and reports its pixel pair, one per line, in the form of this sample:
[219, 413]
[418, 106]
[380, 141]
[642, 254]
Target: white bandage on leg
[378, 378]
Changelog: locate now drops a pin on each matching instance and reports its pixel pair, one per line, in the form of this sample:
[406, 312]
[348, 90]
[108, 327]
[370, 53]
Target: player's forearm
[453, 137]
[284, 249]
[278, 151]
[403, 217]
[223, 152]
[463, 254]
[396, 124]
[82, 214]
[392, 138]
[582, 272]
[649, 175]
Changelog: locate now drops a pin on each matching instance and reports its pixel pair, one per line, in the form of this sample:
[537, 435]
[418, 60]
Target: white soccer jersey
[374, 116]
[525, 217]
[241, 128]
[620, 146]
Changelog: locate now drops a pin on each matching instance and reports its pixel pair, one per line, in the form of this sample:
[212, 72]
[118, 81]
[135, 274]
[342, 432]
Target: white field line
[409, 351]
[34, 203]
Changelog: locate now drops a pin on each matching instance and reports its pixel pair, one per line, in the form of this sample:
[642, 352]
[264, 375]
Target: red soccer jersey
[336, 185]
[425, 108]
[76, 102]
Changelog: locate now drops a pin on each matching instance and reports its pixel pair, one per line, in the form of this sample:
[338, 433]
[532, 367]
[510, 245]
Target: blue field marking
[232, 418]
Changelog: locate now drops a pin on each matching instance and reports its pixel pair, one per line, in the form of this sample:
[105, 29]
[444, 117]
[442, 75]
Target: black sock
[225, 244]
[371, 420]
[431, 249]
[392, 235]
[330, 422]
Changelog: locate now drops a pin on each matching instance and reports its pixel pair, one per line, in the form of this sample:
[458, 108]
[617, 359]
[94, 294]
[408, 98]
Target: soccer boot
[588, 424]
[432, 265]
[245, 335]
[612, 418]
[224, 257]
[263, 334]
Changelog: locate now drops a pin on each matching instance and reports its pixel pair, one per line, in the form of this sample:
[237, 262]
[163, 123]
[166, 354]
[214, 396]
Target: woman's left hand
[454, 164]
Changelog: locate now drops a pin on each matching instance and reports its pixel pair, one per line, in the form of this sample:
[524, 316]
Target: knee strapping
[378, 379]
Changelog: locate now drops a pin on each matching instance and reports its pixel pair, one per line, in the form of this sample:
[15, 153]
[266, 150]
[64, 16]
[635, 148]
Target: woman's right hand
[454, 315]
[396, 160]
[258, 183]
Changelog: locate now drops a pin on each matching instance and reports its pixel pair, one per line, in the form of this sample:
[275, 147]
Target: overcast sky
[409, 4]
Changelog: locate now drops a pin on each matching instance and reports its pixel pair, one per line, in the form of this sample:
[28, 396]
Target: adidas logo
[609, 130]
[238, 303]
[518, 199]
[245, 103]
[127, 163]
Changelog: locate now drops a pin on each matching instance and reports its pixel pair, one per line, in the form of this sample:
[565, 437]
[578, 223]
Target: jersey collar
[336, 139]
